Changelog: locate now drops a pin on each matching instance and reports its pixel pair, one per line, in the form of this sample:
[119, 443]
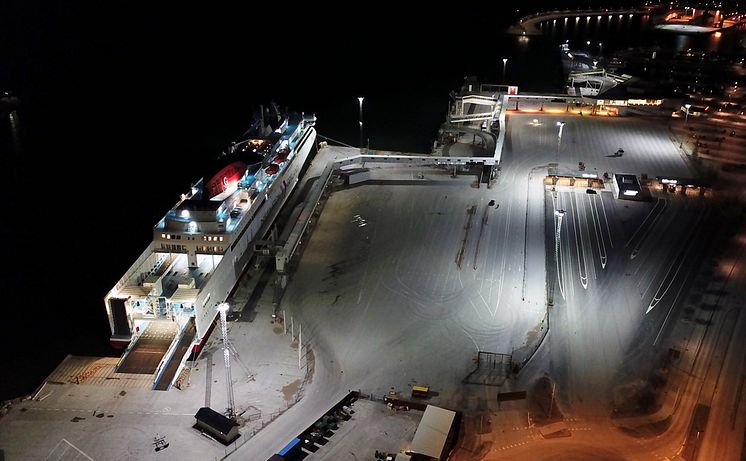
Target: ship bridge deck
[180, 275]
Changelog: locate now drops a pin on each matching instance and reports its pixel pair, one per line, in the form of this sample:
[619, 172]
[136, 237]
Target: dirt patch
[289, 391]
[642, 396]
[311, 361]
[277, 330]
[471, 446]
[543, 402]
[533, 335]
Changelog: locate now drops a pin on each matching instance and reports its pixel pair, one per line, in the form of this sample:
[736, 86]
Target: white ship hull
[235, 260]
[220, 278]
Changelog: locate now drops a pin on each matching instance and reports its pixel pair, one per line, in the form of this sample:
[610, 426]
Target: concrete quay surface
[112, 416]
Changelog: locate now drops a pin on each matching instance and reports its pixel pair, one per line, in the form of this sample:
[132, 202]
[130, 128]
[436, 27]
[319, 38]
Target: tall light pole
[686, 117]
[600, 50]
[361, 98]
[505, 63]
[223, 309]
[561, 125]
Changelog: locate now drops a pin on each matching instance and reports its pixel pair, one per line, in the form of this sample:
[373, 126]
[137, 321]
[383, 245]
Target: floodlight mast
[223, 309]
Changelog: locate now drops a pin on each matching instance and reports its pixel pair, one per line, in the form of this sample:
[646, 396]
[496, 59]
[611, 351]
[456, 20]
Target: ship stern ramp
[175, 357]
[146, 351]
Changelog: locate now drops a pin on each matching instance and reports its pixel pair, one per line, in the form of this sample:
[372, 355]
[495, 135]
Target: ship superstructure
[203, 244]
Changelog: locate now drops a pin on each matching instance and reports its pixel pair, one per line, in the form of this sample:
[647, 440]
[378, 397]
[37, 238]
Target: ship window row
[173, 247]
[211, 238]
[216, 249]
[178, 237]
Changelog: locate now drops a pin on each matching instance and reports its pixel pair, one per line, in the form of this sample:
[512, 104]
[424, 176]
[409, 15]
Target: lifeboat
[281, 156]
[272, 170]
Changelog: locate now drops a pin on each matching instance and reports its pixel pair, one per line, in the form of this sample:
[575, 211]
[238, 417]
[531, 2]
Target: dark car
[591, 191]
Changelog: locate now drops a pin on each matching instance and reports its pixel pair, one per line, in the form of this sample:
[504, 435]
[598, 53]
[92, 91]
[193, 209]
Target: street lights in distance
[360, 99]
[686, 117]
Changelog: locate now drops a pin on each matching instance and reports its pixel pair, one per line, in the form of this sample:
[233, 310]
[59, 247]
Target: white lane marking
[681, 257]
[598, 230]
[606, 219]
[649, 229]
[504, 259]
[658, 201]
[579, 247]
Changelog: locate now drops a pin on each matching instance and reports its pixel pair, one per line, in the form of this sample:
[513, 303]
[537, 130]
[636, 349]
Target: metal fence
[264, 420]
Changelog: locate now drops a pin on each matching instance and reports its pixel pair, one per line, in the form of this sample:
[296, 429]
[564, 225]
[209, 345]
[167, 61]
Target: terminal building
[626, 186]
[436, 435]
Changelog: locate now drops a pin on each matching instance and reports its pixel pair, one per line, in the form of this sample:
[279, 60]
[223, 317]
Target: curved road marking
[606, 220]
[658, 201]
[681, 257]
[648, 230]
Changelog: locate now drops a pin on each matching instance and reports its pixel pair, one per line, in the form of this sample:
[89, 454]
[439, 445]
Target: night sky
[122, 104]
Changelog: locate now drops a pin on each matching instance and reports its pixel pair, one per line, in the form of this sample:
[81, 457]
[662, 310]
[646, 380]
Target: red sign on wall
[512, 90]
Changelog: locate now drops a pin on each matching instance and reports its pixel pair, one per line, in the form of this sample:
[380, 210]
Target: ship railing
[133, 268]
[589, 73]
[492, 88]
[305, 217]
[239, 144]
[158, 264]
[471, 117]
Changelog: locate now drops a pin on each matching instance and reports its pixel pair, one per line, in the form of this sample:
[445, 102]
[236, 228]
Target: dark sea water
[123, 106]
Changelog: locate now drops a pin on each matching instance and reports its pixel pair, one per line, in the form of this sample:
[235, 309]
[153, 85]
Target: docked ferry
[166, 301]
